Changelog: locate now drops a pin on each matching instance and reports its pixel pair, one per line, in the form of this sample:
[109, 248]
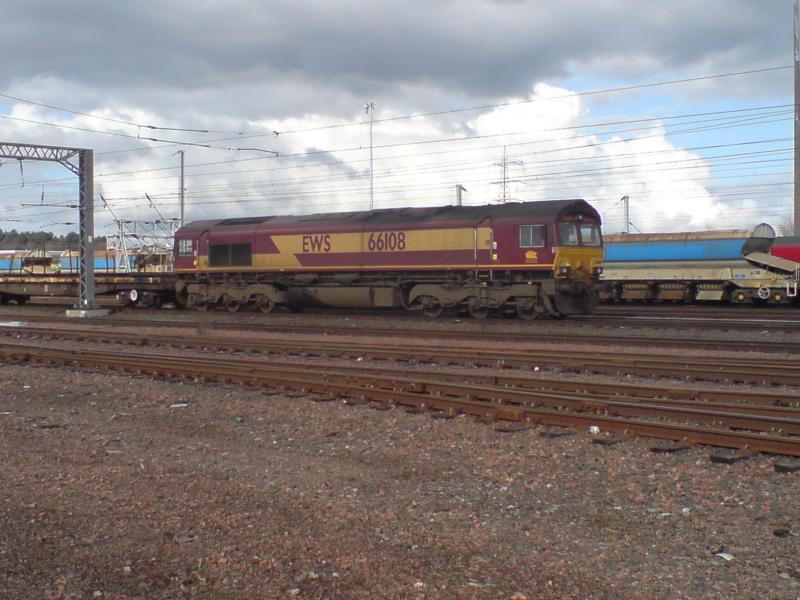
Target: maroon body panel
[504, 220]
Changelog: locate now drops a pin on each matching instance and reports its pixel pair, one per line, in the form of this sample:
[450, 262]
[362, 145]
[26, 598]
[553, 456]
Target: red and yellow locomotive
[527, 258]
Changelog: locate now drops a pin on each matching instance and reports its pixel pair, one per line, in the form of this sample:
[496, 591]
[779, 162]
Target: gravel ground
[122, 487]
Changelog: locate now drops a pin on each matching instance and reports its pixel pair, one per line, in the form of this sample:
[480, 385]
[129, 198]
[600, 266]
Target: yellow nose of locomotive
[578, 262]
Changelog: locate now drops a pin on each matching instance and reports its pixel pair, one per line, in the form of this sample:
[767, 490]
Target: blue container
[669, 250]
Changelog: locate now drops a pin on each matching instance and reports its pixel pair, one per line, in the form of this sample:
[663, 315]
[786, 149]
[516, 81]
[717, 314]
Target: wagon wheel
[150, 301]
[477, 310]
[264, 304]
[230, 304]
[431, 307]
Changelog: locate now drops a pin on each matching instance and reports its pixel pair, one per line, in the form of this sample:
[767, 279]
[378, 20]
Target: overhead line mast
[85, 172]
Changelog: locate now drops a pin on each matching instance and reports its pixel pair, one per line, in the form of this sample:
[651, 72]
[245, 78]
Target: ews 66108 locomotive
[526, 258]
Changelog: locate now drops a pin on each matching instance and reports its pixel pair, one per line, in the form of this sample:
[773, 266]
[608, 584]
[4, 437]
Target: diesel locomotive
[522, 258]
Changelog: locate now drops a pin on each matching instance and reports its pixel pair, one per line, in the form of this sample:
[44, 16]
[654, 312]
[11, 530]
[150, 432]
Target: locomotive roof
[546, 210]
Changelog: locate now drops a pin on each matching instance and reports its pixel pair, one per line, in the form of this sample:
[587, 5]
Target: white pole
[505, 175]
[627, 214]
[182, 186]
[370, 108]
[183, 205]
[459, 188]
[626, 206]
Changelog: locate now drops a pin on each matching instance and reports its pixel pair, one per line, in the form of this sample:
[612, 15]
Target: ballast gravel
[114, 486]
[124, 487]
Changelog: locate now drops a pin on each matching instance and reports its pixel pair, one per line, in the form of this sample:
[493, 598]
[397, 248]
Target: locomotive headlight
[563, 270]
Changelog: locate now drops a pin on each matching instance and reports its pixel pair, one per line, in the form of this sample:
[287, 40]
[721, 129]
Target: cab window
[590, 234]
[531, 236]
[567, 234]
[184, 247]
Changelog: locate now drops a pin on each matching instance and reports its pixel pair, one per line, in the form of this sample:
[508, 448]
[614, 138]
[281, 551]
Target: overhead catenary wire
[559, 176]
[419, 115]
[232, 187]
[614, 170]
[673, 150]
[388, 146]
[466, 164]
[136, 137]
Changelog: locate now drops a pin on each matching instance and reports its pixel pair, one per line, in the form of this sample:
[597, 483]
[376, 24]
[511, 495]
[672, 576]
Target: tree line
[35, 240]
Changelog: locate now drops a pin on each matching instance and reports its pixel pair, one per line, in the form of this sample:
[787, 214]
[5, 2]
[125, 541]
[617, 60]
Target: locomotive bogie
[477, 298]
[230, 294]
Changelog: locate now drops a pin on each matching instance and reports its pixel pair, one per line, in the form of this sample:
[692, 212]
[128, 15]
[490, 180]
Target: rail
[495, 402]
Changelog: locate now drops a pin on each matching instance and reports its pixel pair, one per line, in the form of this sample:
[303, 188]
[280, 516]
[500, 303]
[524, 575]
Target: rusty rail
[545, 331]
[490, 402]
[716, 369]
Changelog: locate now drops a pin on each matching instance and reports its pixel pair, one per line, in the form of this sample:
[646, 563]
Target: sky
[683, 106]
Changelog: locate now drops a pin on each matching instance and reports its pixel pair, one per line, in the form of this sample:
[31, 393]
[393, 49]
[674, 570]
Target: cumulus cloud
[483, 48]
[305, 69]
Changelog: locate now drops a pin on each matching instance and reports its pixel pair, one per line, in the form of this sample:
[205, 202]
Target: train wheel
[197, 302]
[479, 313]
[431, 307]
[264, 304]
[477, 310]
[526, 313]
[526, 309]
[231, 305]
[433, 311]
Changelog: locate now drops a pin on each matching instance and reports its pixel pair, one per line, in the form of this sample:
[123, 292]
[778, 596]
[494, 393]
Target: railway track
[786, 313]
[752, 370]
[519, 335]
[754, 428]
[662, 317]
[639, 391]
[667, 321]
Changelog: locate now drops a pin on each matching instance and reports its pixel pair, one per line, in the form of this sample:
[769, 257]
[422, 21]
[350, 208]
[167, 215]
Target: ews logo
[317, 243]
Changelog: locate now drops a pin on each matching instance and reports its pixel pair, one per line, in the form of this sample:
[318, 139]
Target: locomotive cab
[579, 249]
